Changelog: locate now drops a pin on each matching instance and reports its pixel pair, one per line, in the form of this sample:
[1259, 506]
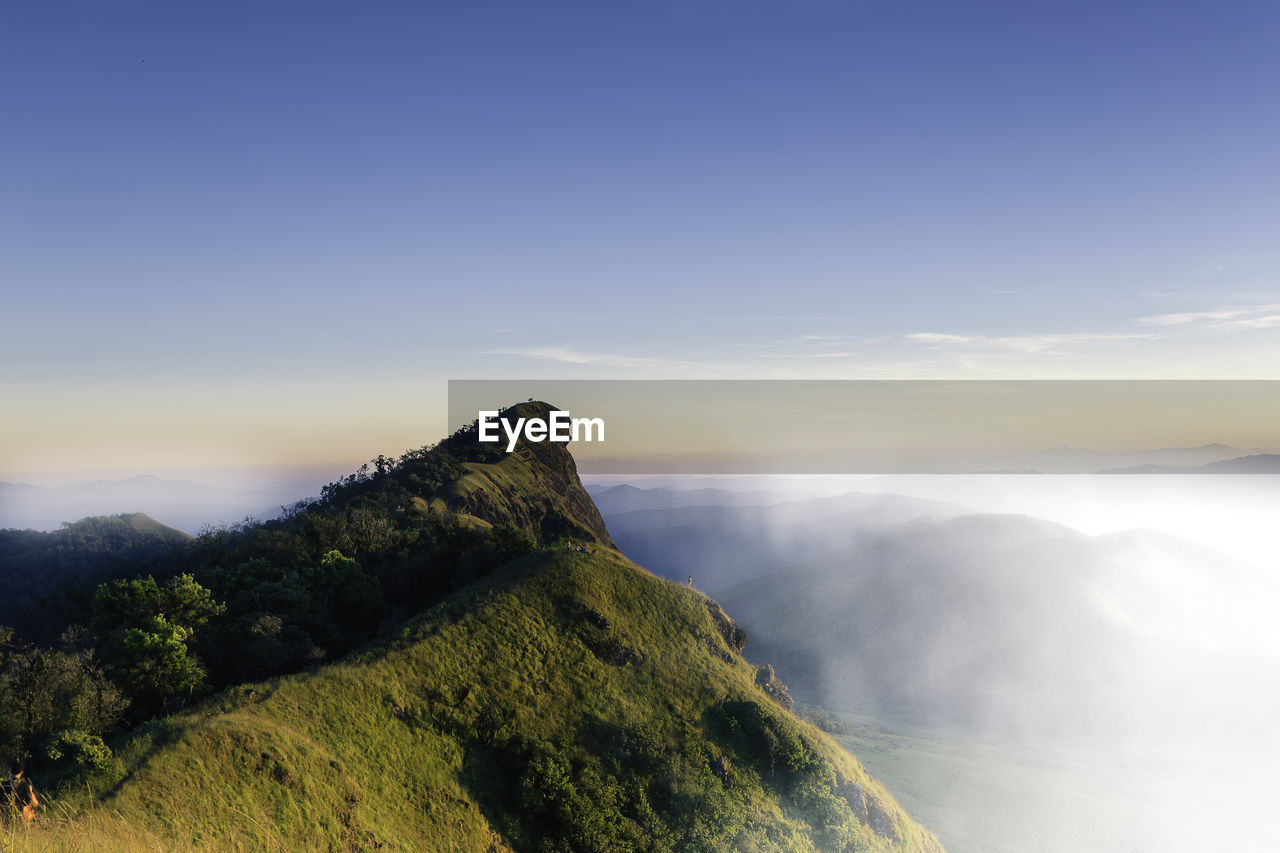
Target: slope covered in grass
[515, 684]
[570, 702]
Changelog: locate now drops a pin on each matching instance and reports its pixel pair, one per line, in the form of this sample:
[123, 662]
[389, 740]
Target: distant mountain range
[1057, 460]
[189, 506]
[1078, 460]
[626, 497]
[1071, 460]
[1257, 463]
[183, 504]
[723, 545]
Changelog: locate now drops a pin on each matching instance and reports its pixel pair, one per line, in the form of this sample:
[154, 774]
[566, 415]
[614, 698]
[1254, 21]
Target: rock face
[869, 810]
[773, 688]
[730, 630]
[720, 767]
[535, 487]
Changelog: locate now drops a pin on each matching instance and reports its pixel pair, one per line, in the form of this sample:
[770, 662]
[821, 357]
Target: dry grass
[97, 830]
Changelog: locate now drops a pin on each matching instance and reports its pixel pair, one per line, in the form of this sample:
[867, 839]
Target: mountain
[1257, 463]
[572, 702]
[182, 504]
[34, 563]
[724, 545]
[1076, 460]
[626, 498]
[537, 490]
[563, 700]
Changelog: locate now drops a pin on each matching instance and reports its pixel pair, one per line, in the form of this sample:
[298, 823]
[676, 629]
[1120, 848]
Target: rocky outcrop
[868, 809]
[772, 687]
[720, 767]
[535, 487]
[731, 631]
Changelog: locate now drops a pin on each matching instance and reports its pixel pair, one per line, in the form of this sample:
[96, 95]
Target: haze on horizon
[935, 432]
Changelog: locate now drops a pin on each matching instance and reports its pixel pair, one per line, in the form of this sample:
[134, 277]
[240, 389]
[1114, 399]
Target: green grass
[144, 523]
[507, 717]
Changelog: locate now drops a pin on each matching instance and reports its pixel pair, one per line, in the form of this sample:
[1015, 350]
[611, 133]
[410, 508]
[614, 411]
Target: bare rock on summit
[535, 487]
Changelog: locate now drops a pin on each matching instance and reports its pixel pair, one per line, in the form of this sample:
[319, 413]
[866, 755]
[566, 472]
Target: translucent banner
[897, 427]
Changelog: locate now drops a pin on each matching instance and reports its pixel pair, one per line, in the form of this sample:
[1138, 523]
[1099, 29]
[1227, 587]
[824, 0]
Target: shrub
[85, 750]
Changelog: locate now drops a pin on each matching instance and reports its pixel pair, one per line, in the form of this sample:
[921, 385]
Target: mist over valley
[967, 649]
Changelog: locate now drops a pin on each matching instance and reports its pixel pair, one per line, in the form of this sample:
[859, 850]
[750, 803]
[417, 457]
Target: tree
[346, 601]
[157, 665]
[130, 602]
[48, 691]
[146, 630]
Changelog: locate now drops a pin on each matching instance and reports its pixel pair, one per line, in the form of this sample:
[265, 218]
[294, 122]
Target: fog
[186, 499]
[1229, 513]
[1121, 629]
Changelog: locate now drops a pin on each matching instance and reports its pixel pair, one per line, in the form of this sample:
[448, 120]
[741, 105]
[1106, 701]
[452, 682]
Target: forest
[110, 622]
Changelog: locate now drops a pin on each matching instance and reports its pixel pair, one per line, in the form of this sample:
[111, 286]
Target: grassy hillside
[573, 702]
[545, 694]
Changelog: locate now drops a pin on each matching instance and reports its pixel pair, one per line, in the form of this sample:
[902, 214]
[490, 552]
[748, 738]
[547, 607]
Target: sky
[251, 234]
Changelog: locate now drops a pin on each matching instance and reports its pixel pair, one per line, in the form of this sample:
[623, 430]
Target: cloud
[1148, 328]
[937, 338]
[1187, 318]
[568, 355]
[1264, 322]
[1048, 344]
[1250, 317]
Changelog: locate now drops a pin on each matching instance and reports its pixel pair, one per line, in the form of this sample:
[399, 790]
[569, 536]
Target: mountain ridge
[265, 743]
[1254, 463]
[566, 700]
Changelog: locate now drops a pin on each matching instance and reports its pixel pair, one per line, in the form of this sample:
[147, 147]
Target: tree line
[119, 641]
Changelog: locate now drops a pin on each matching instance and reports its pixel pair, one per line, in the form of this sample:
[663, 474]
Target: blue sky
[246, 233]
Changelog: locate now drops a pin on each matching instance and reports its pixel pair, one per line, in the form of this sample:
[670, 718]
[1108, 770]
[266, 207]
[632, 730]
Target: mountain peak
[535, 487]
